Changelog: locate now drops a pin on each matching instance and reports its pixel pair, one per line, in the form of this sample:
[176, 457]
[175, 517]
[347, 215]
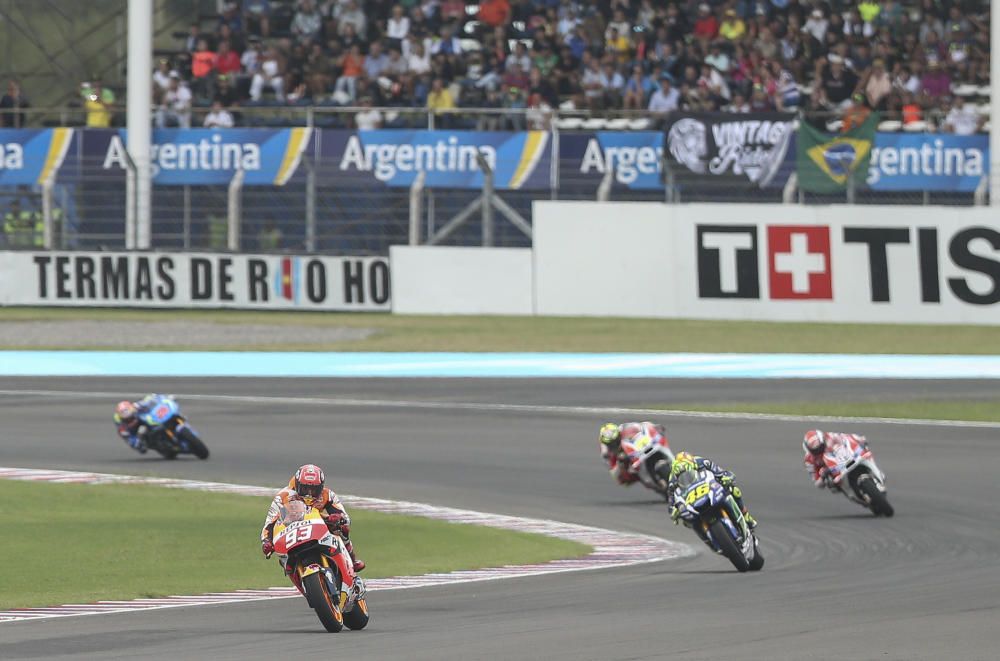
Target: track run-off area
[837, 582]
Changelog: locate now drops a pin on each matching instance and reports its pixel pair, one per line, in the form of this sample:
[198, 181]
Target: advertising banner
[192, 280]
[635, 156]
[30, 156]
[769, 262]
[520, 161]
[747, 147]
[268, 157]
[928, 162]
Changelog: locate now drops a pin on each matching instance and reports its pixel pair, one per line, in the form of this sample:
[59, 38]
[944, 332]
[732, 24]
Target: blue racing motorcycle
[166, 431]
[709, 508]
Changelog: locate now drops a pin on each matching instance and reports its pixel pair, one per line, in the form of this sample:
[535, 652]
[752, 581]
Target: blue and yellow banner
[30, 156]
[928, 162]
[448, 159]
[267, 157]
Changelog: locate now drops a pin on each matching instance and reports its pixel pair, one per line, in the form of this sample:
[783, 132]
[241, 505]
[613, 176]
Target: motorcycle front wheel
[878, 502]
[197, 447]
[327, 609]
[720, 533]
[357, 617]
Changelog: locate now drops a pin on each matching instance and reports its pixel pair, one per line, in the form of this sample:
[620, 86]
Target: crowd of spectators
[841, 57]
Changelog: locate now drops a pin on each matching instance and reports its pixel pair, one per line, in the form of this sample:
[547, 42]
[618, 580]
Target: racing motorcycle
[647, 456]
[165, 430]
[851, 470]
[306, 546]
[710, 509]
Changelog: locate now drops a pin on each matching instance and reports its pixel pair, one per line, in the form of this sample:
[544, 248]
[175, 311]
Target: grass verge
[981, 411]
[73, 543]
[559, 334]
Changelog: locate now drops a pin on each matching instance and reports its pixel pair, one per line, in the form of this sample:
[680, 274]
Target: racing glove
[267, 548]
[726, 480]
[337, 522]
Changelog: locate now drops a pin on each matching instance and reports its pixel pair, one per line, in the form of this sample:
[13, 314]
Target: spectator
[837, 84]
[257, 17]
[270, 73]
[448, 44]
[218, 117]
[936, 83]
[161, 75]
[227, 62]
[269, 237]
[706, 27]
[856, 114]
[911, 111]
[225, 92]
[376, 61]
[634, 97]
[665, 99]
[176, 104]
[816, 25]
[397, 26]
[739, 104]
[539, 113]
[419, 61]
[452, 11]
[97, 101]
[519, 58]
[231, 18]
[193, 37]
[494, 13]
[202, 66]
[439, 99]
[352, 16]
[369, 118]
[877, 84]
[12, 106]
[352, 66]
[732, 27]
[307, 21]
[962, 119]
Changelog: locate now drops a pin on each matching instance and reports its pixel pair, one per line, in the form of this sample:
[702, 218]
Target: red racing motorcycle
[307, 547]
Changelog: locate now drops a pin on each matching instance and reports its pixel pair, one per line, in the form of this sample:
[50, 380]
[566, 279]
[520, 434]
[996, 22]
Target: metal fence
[325, 212]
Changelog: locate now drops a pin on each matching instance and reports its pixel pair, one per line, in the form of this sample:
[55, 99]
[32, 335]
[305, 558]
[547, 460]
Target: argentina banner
[520, 161]
[928, 162]
[268, 157]
[30, 156]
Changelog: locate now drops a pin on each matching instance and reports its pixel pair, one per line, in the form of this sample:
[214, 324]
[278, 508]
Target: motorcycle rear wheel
[327, 609]
[357, 618]
[877, 500]
[728, 546]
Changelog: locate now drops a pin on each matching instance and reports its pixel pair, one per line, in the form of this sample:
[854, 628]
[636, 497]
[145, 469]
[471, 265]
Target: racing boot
[751, 522]
[139, 445]
[358, 564]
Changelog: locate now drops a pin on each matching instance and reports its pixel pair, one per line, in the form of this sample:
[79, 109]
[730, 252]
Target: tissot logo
[799, 262]
[727, 261]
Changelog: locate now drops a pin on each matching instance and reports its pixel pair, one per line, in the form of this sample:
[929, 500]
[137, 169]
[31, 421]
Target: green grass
[71, 543]
[500, 334]
[985, 411]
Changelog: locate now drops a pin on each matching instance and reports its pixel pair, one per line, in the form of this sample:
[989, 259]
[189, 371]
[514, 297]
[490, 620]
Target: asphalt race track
[837, 582]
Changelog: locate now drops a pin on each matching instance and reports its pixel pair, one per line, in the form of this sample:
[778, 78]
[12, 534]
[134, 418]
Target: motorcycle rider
[610, 441]
[128, 420]
[309, 485]
[814, 444]
[685, 461]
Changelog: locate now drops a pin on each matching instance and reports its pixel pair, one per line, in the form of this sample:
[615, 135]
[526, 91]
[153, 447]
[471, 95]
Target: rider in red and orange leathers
[610, 439]
[814, 444]
[309, 485]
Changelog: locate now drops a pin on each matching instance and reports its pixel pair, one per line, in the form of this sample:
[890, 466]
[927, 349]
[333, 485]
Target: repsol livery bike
[647, 456]
[308, 548]
[711, 511]
[165, 430]
[851, 470]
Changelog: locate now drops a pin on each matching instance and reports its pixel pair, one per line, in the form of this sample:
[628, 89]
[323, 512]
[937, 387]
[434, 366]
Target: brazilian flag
[826, 161]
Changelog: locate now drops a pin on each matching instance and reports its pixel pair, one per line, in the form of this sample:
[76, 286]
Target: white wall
[768, 262]
[453, 280]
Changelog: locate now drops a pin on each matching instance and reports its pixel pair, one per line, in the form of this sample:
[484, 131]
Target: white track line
[610, 548]
[515, 408]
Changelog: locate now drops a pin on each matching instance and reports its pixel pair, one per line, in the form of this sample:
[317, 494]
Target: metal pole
[235, 211]
[47, 213]
[130, 202]
[140, 85]
[995, 106]
[416, 196]
[187, 217]
[850, 188]
[604, 189]
[554, 168]
[487, 200]
[431, 214]
[310, 206]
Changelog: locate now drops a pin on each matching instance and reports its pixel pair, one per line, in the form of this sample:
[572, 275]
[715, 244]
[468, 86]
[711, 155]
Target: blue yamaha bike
[711, 511]
[168, 432]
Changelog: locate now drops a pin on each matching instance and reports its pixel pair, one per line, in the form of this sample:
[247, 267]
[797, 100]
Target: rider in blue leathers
[128, 419]
[686, 461]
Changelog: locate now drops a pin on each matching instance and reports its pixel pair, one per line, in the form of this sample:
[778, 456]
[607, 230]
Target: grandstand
[527, 61]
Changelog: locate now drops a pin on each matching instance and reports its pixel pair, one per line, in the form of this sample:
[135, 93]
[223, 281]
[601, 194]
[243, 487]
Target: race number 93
[296, 535]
